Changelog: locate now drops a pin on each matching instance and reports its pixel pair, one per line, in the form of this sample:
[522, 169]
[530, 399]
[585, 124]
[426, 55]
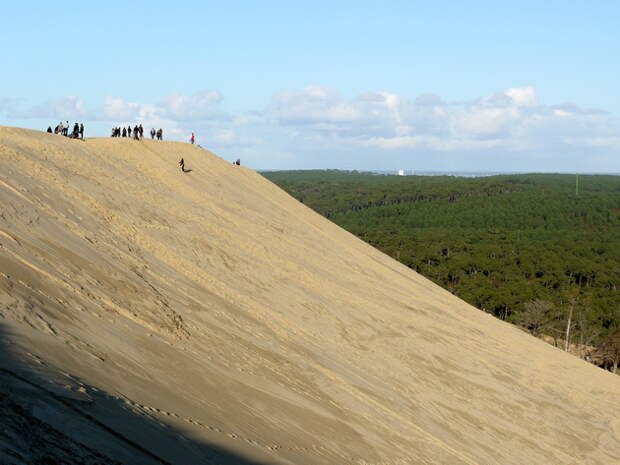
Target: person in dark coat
[81, 131]
[49, 129]
[124, 132]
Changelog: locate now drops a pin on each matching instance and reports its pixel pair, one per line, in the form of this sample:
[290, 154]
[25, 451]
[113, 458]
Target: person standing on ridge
[82, 131]
[152, 133]
[192, 139]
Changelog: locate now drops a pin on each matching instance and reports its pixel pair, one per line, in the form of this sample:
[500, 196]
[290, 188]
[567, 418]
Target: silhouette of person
[81, 131]
[49, 129]
[182, 164]
[192, 139]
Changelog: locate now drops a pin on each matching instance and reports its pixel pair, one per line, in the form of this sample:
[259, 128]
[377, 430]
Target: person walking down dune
[192, 139]
[182, 165]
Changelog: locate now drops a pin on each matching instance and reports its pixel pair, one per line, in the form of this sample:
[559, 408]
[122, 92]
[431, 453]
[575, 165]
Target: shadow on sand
[48, 416]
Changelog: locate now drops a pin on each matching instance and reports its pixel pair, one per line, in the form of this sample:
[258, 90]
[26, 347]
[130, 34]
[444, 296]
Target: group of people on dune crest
[63, 129]
[138, 132]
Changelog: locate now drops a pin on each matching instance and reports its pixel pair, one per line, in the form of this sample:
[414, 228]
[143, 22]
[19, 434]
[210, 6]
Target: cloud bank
[512, 120]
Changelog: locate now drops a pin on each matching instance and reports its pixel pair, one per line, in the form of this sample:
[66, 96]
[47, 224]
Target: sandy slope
[221, 311]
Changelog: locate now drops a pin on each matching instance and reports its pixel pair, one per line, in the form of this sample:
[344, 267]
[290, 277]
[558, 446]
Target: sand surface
[155, 316]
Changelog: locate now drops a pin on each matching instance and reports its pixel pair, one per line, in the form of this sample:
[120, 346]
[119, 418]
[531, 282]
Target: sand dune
[155, 316]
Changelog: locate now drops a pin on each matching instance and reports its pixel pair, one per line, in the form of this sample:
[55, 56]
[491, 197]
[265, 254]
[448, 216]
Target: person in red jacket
[192, 139]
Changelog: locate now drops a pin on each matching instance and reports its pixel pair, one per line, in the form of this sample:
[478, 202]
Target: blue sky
[356, 85]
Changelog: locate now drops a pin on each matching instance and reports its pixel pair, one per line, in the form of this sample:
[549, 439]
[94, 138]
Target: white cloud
[60, 109]
[522, 96]
[314, 104]
[174, 107]
[118, 109]
[194, 107]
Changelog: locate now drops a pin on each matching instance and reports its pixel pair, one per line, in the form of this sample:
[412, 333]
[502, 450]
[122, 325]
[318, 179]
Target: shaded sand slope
[222, 312]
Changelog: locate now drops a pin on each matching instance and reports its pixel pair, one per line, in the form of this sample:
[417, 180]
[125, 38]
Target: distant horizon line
[465, 173]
